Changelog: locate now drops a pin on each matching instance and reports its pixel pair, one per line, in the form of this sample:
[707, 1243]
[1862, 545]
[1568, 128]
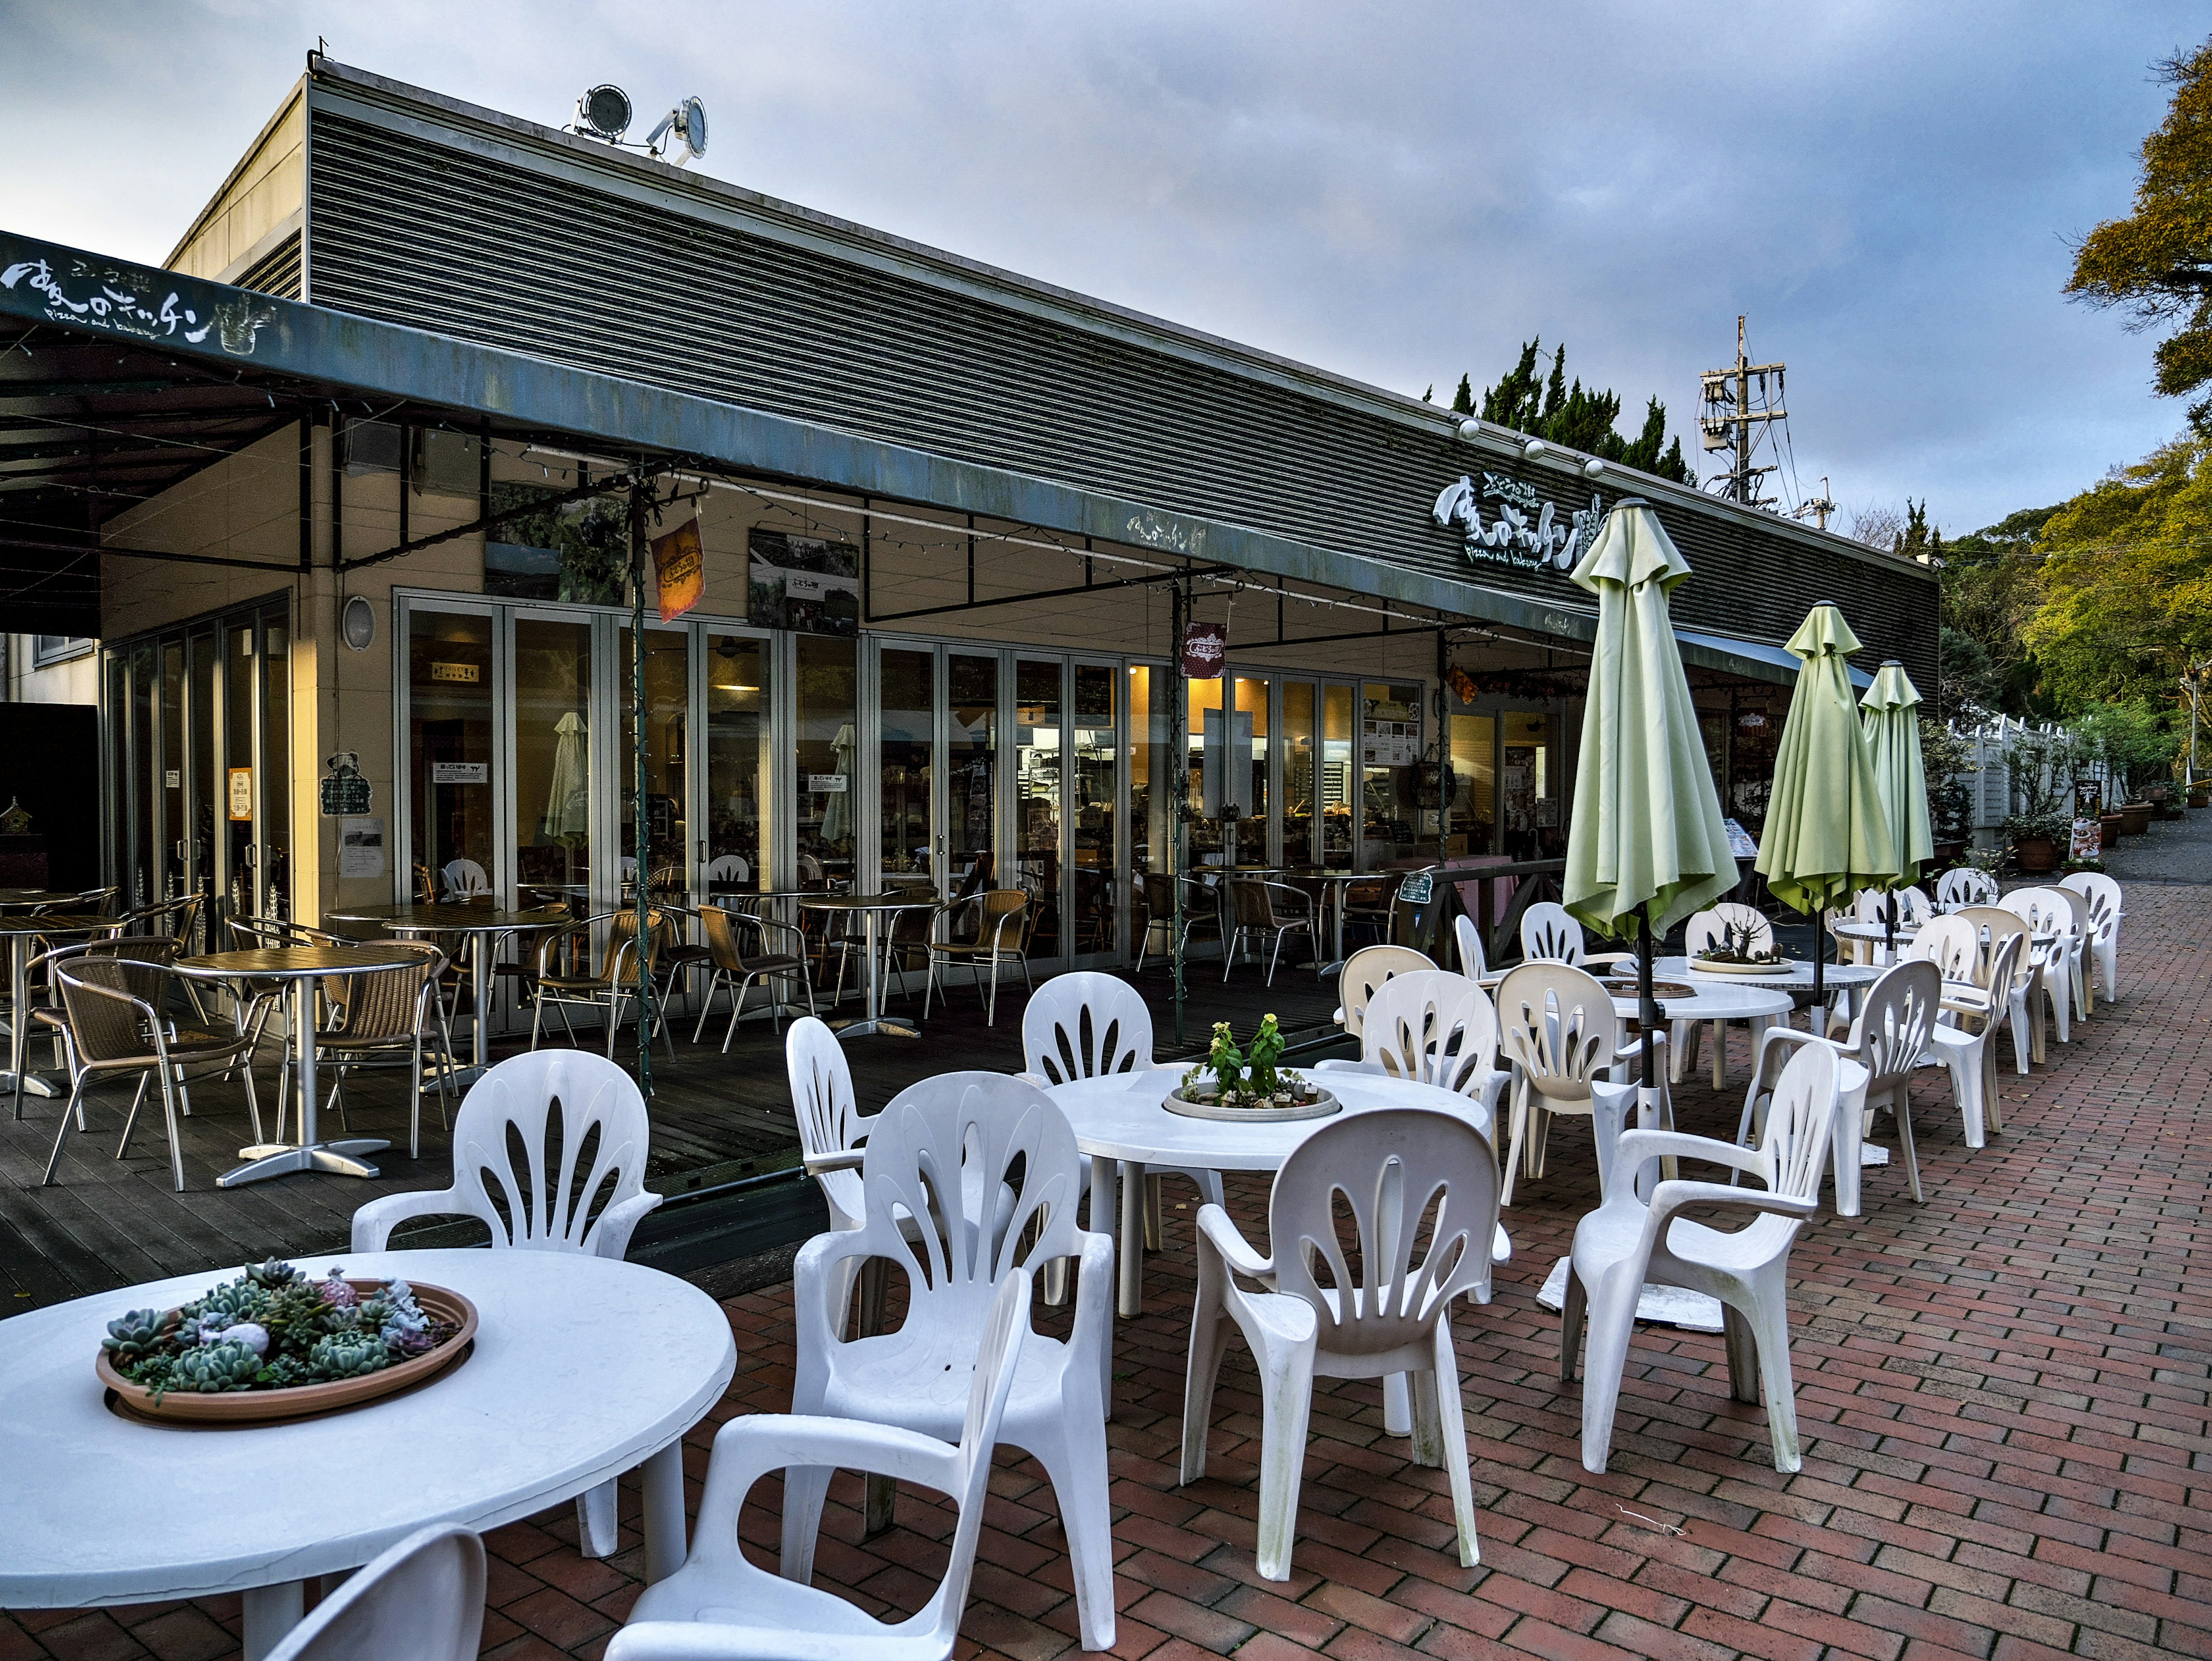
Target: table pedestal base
[337, 1157]
[34, 1083]
[863, 1028]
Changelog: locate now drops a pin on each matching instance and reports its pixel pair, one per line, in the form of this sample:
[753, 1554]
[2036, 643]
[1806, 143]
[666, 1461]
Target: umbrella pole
[641, 942]
[1647, 1002]
[1820, 961]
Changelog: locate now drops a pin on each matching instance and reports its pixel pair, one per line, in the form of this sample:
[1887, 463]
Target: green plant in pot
[2037, 838]
[1250, 1077]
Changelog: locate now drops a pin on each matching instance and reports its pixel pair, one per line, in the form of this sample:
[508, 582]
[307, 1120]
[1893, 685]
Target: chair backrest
[108, 1016]
[622, 934]
[1869, 905]
[728, 867]
[387, 1004]
[1914, 908]
[1367, 969]
[957, 1140]
[1249, 903]
[810, 869]
[1800, 1121]
[2104, 896]
[1711, 928]
[1399, 1173]
[423, 1599]
[1993, 923]
[1473, 961]
[1549, 934]
[2085, 924]
[829, 1115]
[2045, 910]
[1431, 1026]
[1966, 885]
[1891, 1032]
[1953, 946]
[504, 1155]
[464, 878]
[1559, 1026]
[1001, 903]
[998, 1357]
[1082, 1024]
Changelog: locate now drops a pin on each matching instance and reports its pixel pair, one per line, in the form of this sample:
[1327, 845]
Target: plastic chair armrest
[1216, 1229]
[1637, 1145]
[1094, 1295]
[373, 1223]
[1624, 959]
[1670, 1197]
[751, 1445]
[1343, 1064]
[617, 1221]
[1037, 1079]
[711, 1640]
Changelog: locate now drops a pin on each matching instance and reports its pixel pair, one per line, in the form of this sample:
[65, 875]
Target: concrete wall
[72, 680]
[262, 198]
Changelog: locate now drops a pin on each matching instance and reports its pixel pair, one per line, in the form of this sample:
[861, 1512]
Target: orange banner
[679, 566]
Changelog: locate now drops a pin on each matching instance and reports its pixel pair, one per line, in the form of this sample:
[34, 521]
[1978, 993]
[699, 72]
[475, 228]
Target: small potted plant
[1735, 953]
[1233, 1083]
[2200, 793]
[2037, 838]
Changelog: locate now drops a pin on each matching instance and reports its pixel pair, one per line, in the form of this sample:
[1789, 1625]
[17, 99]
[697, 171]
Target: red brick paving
[2003, 1396]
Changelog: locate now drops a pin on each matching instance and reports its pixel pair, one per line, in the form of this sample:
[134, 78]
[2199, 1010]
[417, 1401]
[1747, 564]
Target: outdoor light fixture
[359, 624]
[688, 121]
[1470, 428]
[1533, 448]
[1592, 468]
[604, 113]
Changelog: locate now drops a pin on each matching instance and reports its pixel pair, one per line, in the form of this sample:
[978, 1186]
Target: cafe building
[960, 579]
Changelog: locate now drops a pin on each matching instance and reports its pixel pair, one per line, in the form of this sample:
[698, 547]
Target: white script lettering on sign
[1524, 531]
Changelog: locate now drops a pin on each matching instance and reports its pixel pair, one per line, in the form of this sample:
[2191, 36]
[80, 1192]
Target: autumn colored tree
[2157, 262]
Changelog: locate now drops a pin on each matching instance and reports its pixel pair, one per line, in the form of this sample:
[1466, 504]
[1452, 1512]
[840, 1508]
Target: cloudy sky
[1396, 192]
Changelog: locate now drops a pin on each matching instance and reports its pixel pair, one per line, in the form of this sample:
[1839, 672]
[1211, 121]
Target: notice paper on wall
[361, 846]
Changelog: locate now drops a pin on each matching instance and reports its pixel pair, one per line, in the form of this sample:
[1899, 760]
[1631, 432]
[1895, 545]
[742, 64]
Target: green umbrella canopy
[1826, 832]
[1647, 824]
[1892, 726]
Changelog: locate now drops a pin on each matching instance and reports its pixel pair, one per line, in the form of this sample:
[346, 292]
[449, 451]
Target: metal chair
[1265, 908]
[384, 1014]
[1001, 936]
[727, 934]
[608, 984]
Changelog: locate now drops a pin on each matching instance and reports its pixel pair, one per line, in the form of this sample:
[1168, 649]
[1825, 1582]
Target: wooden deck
[717, 1120]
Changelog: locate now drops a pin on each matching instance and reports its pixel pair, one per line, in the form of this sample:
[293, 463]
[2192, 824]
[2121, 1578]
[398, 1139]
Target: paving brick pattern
[2004, 1394]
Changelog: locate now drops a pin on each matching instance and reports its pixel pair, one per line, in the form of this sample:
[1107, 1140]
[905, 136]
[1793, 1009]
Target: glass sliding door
[1206, 748]
[1475, 765]
[1528, 786]
[551, 670]
[174, 843]
[238, 783]
[200, 792]
[273, 759]
[1039, 779]
[1095, 891]
[1340, 780]
[450, 793]
[1390, 742]
[825, 708]
[971, 700]
[1248, 841]
[736, 764]
[906, 727]
[1300, 765]
[667, 723]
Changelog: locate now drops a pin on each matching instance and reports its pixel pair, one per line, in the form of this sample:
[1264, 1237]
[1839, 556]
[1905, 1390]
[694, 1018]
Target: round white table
[1118, 1118]
[1851, 979]
[583, 1368]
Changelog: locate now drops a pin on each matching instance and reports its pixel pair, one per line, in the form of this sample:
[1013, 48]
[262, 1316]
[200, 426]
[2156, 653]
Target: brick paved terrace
[2004, 1394]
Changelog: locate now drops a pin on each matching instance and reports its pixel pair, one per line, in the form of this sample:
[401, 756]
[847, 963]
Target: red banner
[1205, 649]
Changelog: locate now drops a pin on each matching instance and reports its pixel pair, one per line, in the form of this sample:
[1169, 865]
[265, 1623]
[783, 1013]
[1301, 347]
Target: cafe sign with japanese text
[1502, 521]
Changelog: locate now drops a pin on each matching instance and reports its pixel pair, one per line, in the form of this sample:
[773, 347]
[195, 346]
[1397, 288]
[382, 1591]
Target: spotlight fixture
[1470, 428]
[1533, 448]
[688, 120]
[1592, 468]
[604, 113]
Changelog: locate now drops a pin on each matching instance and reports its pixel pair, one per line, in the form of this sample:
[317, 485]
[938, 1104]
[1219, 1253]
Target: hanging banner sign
[679, 566]
[1205, 650]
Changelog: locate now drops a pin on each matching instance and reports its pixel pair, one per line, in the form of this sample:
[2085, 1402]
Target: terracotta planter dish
[264, 1407]
[1323, 1105]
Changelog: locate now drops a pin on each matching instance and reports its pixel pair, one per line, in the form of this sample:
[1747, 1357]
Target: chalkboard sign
[345, 792]
[1418, 889]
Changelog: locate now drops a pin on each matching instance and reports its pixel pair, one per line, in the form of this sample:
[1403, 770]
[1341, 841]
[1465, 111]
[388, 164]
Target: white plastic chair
[511, 1110]
[1367, 969]
[1473, 961]
[1393, 1169]
[1965, 885]
[2048, 911]
[1432, 1027]
[719, 1607]
[464, 879]
[729, 868]
[1969, 1014]
[1896, 1024]
[1628, 1243]
[1558, 1029]
[1994, 923]
[2104, 914]
[965, 1134]
[422, 1599]
[1707, 929]
[1549, 934]
[2081, 982]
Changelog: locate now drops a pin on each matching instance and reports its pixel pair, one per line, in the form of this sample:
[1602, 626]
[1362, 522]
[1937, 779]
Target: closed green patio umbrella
[1647, 839]
[1892, 726]
[1827, 831]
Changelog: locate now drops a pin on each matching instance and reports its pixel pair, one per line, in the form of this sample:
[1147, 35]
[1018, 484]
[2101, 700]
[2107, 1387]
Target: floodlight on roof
[687, 121]
[604, 113]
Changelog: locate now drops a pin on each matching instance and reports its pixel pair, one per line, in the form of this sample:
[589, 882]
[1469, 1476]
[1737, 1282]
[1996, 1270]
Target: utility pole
[1733, 403]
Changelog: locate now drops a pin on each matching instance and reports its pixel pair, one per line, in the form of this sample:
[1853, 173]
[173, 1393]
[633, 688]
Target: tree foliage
[1992, 590]
[1529, 399]
[2157, 262]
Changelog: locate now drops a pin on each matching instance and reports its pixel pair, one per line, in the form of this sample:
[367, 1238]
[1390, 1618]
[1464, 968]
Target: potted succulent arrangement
[1734, 954]
[277, 1343]
[1248, 1083]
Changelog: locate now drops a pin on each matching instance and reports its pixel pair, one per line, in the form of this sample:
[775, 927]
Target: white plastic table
[1118, 1118]
[583, 1368]
[1851, 979]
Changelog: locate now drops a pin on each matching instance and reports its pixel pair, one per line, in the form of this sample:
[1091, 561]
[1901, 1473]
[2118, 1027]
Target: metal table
[18, 899]
[1336, 886]
[300, 967]
[479, 926]
[871, 908]
[21, 929]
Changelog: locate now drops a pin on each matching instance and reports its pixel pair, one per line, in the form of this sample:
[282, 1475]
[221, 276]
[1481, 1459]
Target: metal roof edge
[247, 331]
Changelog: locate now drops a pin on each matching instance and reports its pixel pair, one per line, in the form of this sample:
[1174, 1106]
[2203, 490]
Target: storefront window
[1390, 742]
[667, 714]
[1248, 758]
[1529, 787]
[826, 698]
[238, 767]
[449, 751]
[972, 763]
[1474, 766]
[1299, 765]
[736, 754]
[1340, 778]
[171, 780]
[1092, 793]
[907, 688]
[553, 759]
[1205, 747]
[1037, 782]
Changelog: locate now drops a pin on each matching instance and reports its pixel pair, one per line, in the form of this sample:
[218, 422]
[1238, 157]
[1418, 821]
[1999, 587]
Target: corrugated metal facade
[276, 272]
[446, 238]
